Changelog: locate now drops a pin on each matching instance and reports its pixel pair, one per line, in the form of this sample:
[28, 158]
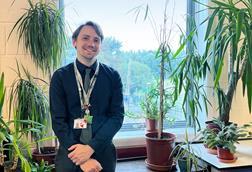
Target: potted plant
[159, 145]
[227, 39]
[226, 139]
[29, 102]
[209, 135]
[209, 140]
[13, 143]
[185, 155]
[14, 146]
[149, 105]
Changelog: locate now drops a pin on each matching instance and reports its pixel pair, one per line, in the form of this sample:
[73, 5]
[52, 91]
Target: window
[129, 46]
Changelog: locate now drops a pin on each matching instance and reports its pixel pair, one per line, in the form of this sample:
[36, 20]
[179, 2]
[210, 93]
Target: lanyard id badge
[80, 123]
[83, 95]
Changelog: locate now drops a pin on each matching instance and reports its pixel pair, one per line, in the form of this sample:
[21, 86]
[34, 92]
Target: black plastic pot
[182, 163]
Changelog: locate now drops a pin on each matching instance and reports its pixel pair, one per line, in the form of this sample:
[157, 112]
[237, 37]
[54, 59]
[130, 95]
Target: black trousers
[107, 159]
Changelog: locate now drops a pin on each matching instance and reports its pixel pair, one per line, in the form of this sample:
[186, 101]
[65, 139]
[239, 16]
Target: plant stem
[161, 89]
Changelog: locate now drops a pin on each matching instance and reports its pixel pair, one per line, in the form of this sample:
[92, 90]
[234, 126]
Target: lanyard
[85, 96]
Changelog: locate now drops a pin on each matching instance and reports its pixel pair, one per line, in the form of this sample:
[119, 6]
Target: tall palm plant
[228, 35]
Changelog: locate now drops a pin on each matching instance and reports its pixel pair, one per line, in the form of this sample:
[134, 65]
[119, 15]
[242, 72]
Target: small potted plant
[185, 156]
[209, 135]
[149, 107]
[209, 140]
[226, 139]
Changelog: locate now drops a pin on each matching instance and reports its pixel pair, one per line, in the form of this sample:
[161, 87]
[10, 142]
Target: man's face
[87, 43]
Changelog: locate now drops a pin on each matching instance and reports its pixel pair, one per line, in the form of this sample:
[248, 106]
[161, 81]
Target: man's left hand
[91, 165]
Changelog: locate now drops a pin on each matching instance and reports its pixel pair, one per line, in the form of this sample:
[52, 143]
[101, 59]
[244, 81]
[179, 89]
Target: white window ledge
[137, 138]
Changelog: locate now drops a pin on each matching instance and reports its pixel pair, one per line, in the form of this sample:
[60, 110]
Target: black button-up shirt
[106, 105]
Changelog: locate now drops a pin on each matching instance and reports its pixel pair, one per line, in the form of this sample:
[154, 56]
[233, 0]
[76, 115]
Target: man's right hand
[80, 153]
[91, 165]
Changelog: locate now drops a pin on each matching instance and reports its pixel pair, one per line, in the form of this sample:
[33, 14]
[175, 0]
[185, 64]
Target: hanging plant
[42, 30]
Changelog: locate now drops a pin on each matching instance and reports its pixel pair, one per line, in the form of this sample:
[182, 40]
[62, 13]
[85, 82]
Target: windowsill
[137, 138]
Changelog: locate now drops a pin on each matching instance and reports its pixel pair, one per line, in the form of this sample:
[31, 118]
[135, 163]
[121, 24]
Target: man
[87, 109]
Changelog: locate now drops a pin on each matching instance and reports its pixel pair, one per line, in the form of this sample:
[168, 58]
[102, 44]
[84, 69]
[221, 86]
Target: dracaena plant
[12, 139]
[28, 101]
[228, 37]
[41, 29]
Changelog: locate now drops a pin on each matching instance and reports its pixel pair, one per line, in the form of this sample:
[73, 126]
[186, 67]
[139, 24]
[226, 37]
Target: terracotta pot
[159, 151]
[151, 125]
[48, 154]
[211, 150]
[225, 154]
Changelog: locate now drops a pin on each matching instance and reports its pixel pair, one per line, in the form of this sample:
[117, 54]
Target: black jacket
[106, 106]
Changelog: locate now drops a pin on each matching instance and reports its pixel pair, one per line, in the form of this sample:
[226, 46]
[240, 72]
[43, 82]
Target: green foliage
[2, 93]
[209, 138]
[12, 138]
[150, 102]
[163, 54]
[42, 167]
[184, 151]
[228, 32]
[111, 46]
[209, 134]
[42, 30]
[29, 102]
[3, 131]
[230, 134]
[187, 77]
[17, 145]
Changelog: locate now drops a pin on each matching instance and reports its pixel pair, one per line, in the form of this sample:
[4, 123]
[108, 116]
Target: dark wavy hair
[94, 25]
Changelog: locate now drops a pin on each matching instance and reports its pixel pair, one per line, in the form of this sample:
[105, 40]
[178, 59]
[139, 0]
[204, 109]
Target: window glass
[130, 46]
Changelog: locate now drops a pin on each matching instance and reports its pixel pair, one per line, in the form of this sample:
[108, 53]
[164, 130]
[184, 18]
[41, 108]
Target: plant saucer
[227, 160]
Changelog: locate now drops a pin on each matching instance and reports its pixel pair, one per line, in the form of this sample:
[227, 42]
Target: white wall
[9, 49]
[239, 110]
